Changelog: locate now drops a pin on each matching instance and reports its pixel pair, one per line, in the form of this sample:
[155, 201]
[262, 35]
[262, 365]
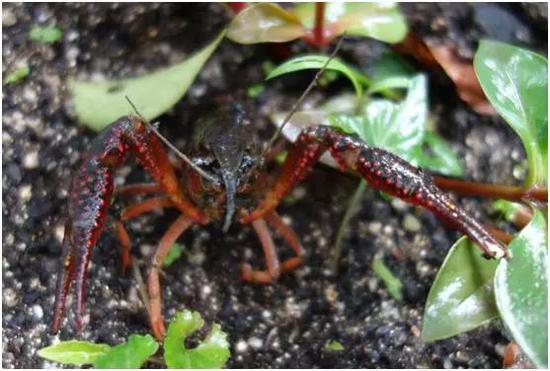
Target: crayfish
[225, 181]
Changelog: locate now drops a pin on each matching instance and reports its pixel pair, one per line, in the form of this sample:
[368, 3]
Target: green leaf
[381, 21]
[395, 82]
[461, 297]
[131, 354]
[398, 128]
[99, 104]
[17, 75]
[442, 158]
[213, 352]
[309, 62]
[74, 352]
[389, 65]
[392, 283]
[264, 22]
[507, 208]
[173, 254]
[515, 81]
[334, 346]
[45, 34]
[521, 289]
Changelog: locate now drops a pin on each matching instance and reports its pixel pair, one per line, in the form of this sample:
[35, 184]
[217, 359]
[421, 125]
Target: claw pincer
[90, 196]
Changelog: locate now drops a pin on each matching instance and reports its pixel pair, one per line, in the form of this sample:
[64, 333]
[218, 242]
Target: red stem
[319, 29]
[486, 190]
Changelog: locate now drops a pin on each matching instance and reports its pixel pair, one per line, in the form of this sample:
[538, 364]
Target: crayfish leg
[383, 171]
[64, 279]
[153, 281]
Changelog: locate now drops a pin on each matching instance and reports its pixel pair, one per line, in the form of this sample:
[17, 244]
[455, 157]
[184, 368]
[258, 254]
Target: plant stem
[351, 210]
[319, 29]
[487, 190]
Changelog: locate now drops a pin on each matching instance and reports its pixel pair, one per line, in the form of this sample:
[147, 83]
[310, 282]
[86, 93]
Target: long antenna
[171, 146]
[311, 85]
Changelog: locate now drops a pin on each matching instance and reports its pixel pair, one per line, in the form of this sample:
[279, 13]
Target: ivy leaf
[381, 21]
[521, 288]
[213, 352]
[515, 81]
[264, 22]
[74, 352]
[398, 128]
[131, 354]
[45, 34]
[461, 297]
[442, 159]
[309, 62]
[99, 104]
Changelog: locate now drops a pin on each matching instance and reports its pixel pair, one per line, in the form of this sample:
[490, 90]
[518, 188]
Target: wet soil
[286, 324]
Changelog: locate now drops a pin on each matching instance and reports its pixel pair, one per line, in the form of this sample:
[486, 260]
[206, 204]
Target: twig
[140, 286]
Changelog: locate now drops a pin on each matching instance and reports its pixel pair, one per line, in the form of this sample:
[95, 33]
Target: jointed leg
[153, 284]
[383, 171]
[274, 268]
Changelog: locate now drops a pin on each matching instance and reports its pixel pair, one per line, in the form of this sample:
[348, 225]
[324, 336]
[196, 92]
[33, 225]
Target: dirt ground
[287, 324]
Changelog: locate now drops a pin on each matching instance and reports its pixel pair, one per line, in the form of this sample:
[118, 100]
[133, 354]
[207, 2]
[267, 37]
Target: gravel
[287, 324]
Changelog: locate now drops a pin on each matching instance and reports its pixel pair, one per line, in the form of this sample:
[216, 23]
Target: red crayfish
[223, 183]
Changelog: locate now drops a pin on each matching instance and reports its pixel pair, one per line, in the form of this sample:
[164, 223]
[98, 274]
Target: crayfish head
[225, 149]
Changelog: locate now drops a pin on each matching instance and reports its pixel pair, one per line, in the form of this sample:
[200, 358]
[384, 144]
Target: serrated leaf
[515, 81]
[173, 254]
[398, 128]
[131, 354]
[521, 289]
[74, 352]
[264, 22]
[317, 62]
[99, 104]
[442, 158]
[45, 34]
[381, 21]
[213, 352]
[461, 297]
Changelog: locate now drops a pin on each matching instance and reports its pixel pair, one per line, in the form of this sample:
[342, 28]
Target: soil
[286, 324]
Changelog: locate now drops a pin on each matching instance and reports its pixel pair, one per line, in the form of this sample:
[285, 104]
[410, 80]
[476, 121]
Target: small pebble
[255, 342]
[37, 311]
[25, 192]
[241, 346]
[30, 161]
[8, 18]
[411, 223]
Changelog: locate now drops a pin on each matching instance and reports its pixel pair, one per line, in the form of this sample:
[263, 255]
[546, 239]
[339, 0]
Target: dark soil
[289, 323]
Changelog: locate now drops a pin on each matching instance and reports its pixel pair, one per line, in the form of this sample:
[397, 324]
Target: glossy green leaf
[390, 64]
[309, 62]
[441, 159]
[264, 22]
[213, 352]
[17, 75]
[131, 354]
[515, 81]
[99, 104]
[397, 82]
[461, 297]
[521, 289]
[381, 21]
[398, 128]
[74, 352]
[45, 34]
[173, 254]
[393, 284]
